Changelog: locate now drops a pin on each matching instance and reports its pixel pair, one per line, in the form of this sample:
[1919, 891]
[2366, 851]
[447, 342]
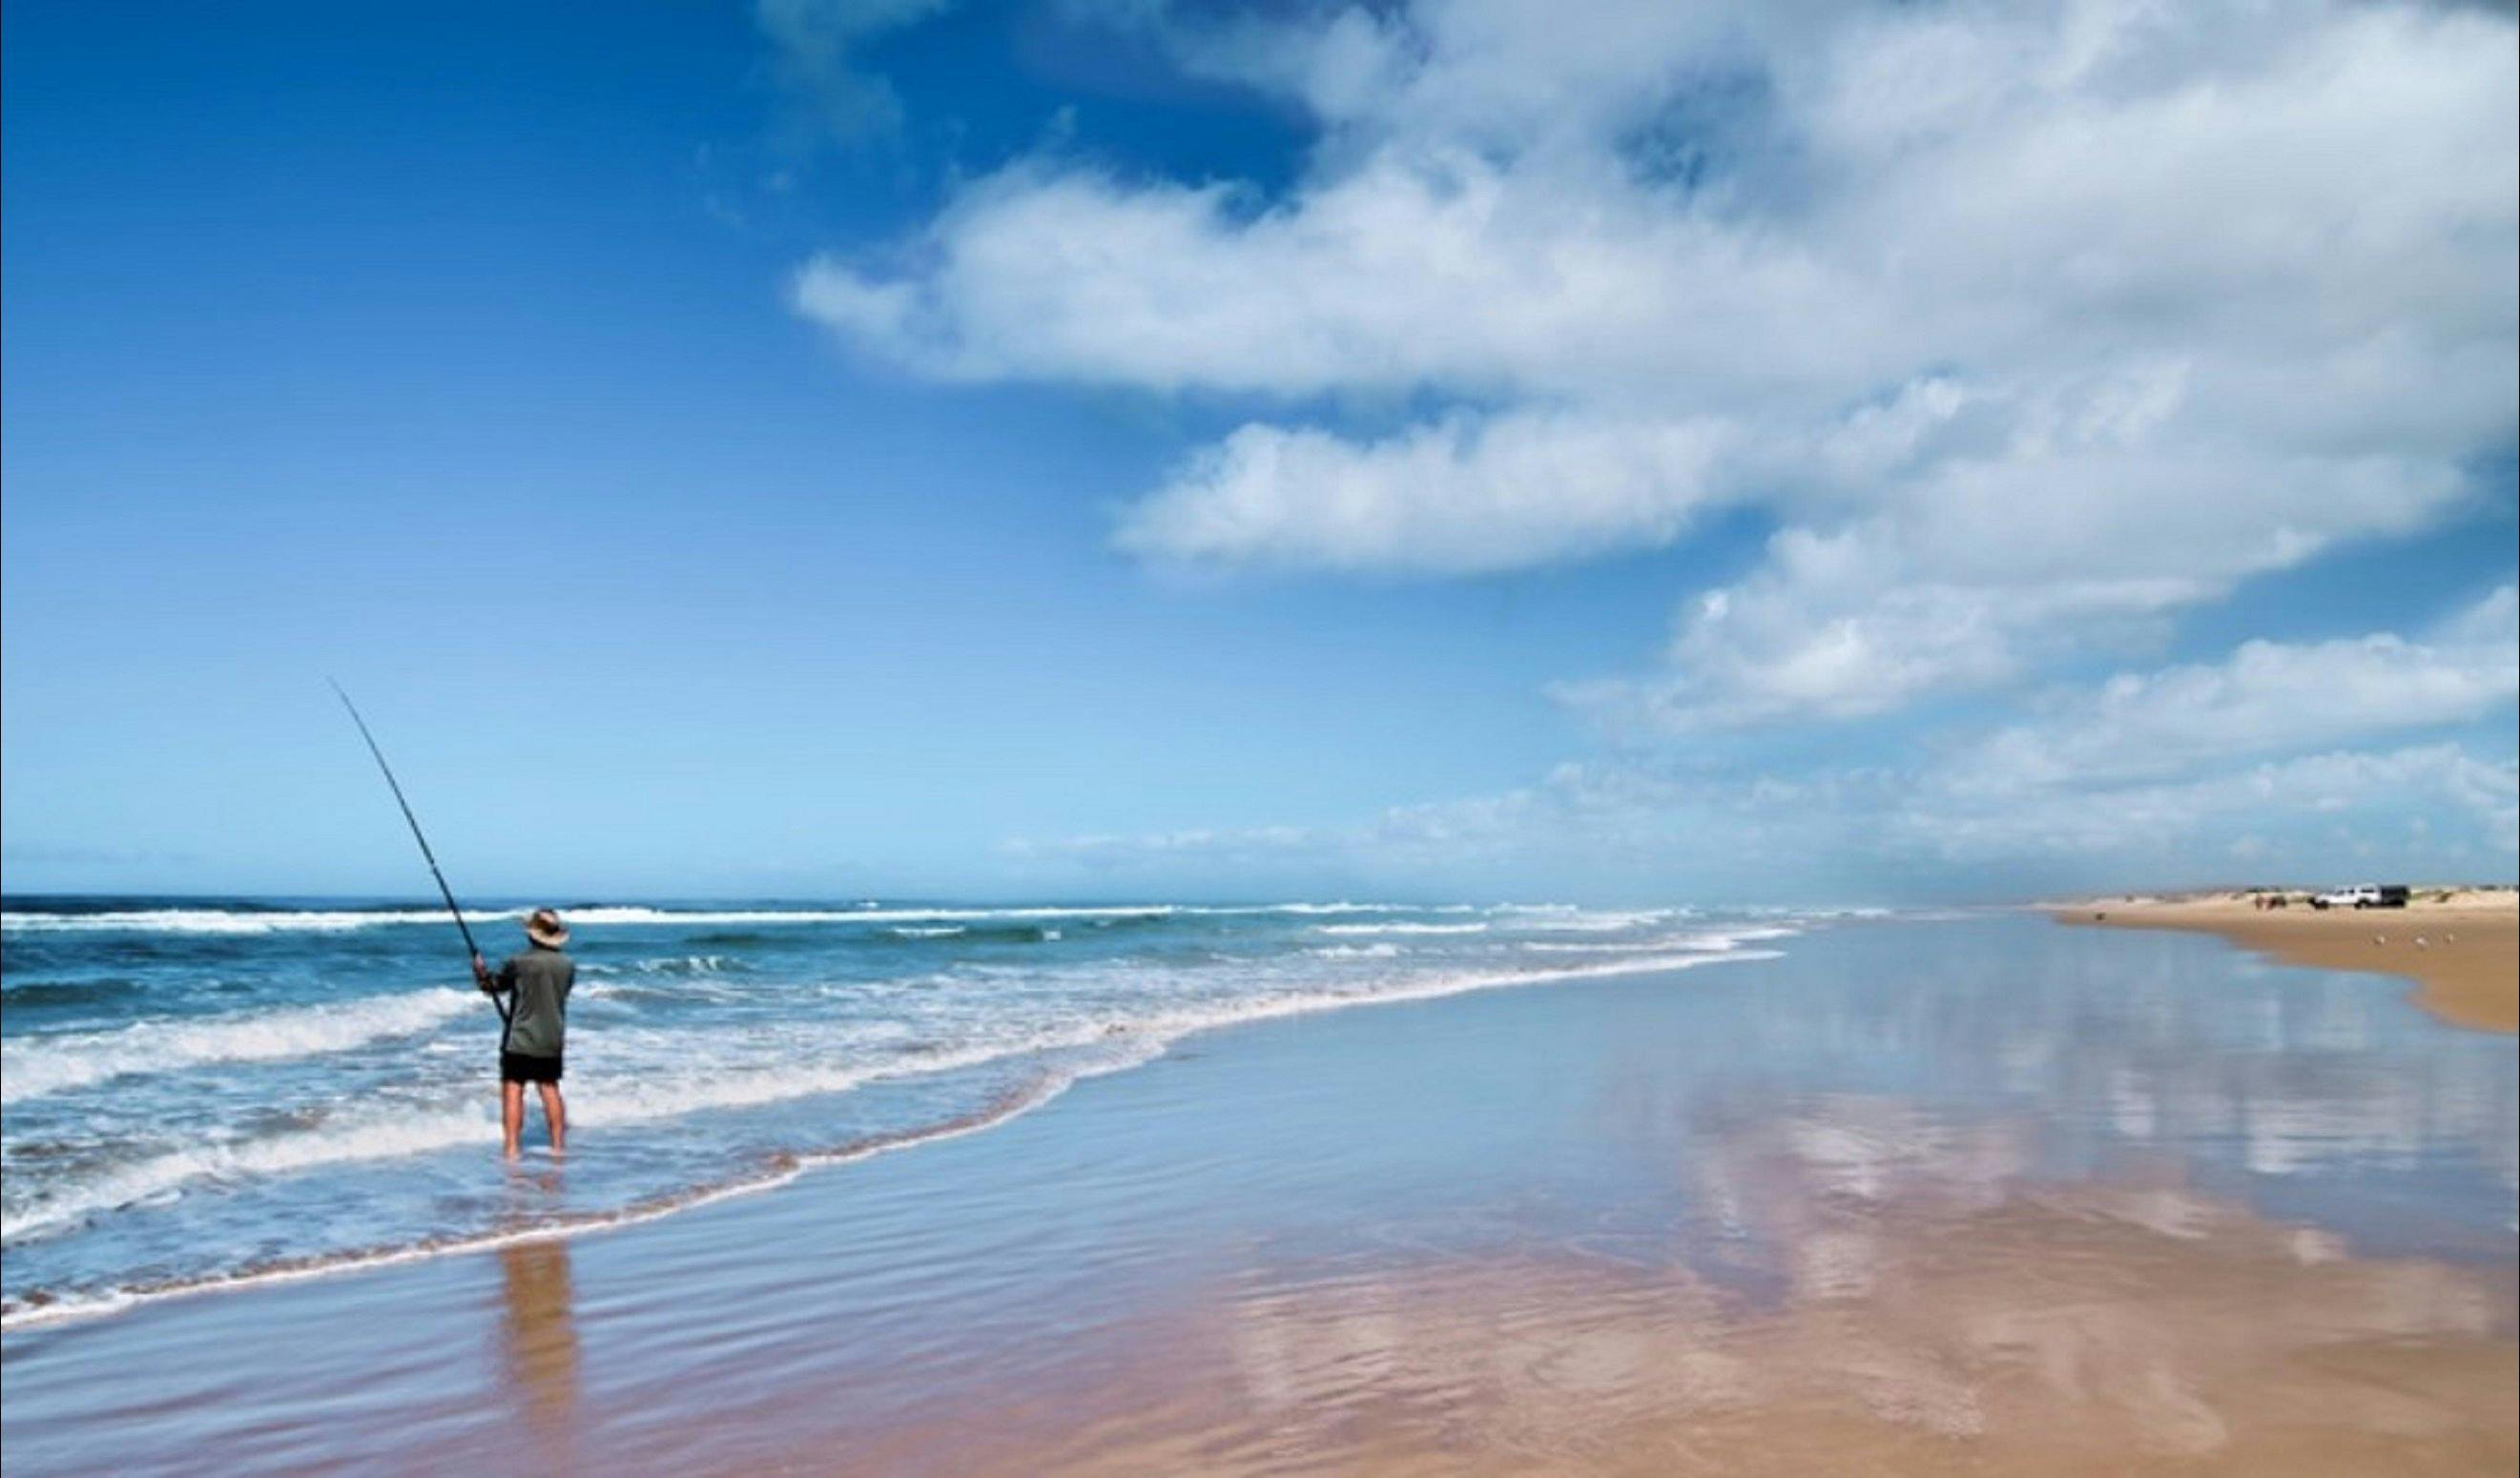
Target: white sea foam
[259, 921]
[601, 918]
[406, 1132]
[1321, 908]
[234, 920]
[674, 989]
[180, 921]
[34, 1065]
[1400, 928]
[1712, 941]
[669, 965]
[97, 1303]
[1423, 988]
[1584, 922]
[1734, 939]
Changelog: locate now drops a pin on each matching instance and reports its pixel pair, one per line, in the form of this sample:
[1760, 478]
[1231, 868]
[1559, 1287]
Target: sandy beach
[1973, 1196]
[2461, 946]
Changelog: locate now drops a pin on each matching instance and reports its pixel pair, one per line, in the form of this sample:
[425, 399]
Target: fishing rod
[472, 951]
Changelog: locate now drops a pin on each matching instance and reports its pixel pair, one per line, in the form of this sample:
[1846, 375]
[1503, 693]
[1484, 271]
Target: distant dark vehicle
[2367, 896]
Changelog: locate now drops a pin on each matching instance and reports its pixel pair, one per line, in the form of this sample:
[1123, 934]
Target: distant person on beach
[536, 982]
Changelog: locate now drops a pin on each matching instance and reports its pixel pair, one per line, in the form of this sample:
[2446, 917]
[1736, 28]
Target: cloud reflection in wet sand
[1925, 1308]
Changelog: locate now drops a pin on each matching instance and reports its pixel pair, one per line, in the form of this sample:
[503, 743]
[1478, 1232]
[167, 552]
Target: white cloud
[1467, 494]
[2008, 198]
[2268, 697]
[1635, 830]
[2133, 781]
[2328, 808]
[2031, 323]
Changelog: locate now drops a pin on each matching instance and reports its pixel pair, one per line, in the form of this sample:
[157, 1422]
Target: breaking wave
[35, 1065]
[40, 1307]
[267, 920]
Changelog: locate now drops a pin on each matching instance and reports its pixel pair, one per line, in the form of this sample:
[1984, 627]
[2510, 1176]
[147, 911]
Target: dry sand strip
[2461, 946]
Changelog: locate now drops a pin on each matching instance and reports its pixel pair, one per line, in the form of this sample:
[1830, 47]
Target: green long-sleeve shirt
[537, 982]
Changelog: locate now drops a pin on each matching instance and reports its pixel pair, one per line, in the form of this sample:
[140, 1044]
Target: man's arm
[504, 980]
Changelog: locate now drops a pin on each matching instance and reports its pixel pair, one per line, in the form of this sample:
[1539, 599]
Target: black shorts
[517, 1067]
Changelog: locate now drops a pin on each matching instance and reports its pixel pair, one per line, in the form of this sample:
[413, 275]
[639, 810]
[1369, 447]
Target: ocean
[197, 1093]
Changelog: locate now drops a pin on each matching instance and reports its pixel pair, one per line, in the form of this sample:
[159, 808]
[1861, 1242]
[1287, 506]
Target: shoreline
[2462, 954]
[1737, 947]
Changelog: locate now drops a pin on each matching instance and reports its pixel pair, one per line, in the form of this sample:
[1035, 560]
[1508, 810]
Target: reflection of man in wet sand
[541, 1341]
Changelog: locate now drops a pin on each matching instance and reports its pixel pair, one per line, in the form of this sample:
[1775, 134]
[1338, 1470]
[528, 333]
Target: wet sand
[2463, 953]
[1987, 1196]
[2066, 1335]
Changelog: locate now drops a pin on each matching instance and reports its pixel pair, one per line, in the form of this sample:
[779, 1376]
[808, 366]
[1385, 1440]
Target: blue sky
[910, 447]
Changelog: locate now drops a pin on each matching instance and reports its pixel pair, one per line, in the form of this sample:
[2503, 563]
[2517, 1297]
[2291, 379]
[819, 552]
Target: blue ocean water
[199, 1091]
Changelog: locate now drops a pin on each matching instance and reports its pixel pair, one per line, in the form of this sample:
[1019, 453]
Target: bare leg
[512, 1115]
[555, 1117]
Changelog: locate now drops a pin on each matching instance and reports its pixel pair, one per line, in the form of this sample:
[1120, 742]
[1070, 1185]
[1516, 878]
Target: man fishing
[535, 983]
[531, 990]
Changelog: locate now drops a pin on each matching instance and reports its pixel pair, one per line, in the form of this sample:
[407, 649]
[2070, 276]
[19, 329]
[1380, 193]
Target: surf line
[471, 951]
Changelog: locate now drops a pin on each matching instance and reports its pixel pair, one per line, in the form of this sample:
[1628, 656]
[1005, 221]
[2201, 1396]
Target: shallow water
[1911, 1196]
[194, 1092]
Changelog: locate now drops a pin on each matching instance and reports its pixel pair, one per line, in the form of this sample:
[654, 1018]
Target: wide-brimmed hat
[543, 927]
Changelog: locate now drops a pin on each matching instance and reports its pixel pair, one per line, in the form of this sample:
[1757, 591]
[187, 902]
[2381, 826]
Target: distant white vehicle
[2366, 896]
